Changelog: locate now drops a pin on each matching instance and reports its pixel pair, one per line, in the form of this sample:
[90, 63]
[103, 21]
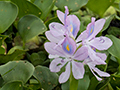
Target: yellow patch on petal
[71, 28]
[67, 47]
[91, 31]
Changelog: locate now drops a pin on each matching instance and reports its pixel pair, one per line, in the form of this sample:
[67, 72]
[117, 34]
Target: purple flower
[64, 51]
[88, 38]
[92, 65]
[70, 27]
[92, 43]
[71, 22]
[67, 54]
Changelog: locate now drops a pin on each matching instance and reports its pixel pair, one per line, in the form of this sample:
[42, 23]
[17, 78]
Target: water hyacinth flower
[70, 55]
[66, 50]
[70, 27]
[92, 43]
[91, 64]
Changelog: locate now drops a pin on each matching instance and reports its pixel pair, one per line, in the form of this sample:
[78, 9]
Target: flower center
[85, 42]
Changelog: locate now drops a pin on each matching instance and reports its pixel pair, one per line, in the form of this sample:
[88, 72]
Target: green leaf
[118, 88]
[114, 31]
[73, 83]
[117, 17]
[30, 26]
[31, 1]
[112, 65]
[34, 84]
[26, 7]
[1, 81]
[54, 19]
[116, 5]
[110, 11]
[16, 55]
[115, 81]
[103, 84]
[45, 6]
[47, 79]
[2, 38]
[108, 21]
[110, 87]
[114, 49]
[16, 70]
[83, 83]
[99, 6]
[2, 50]
[4, 0]
[38, 58]
[93, 83]
[8, 14]
[14, 48]
[73, 5]
[17, 85]
[66, 85]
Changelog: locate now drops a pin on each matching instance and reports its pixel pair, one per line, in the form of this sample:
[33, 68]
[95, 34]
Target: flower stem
[73, 83]
[107, 61]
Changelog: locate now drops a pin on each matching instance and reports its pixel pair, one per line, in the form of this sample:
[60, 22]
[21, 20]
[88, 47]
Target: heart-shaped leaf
[17, 85]
[8, 14]
[114, 50]
[30, 26]
[47, 79]
[16, 70]
[73, 5]
[26, 7]
[45, 6]
[99, 6]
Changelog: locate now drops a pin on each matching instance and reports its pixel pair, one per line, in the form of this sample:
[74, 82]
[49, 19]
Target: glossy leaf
[73, 5]
[45, 6]
[114, 49]
[2, 50]
[8, 14]
[73, 83]
[34, 84]
[16, 70]
[16, 55]
[114, 31]
[93, 83]
[17, 85]
[108, 21]
[66, 85]
[110, 11]
[30, 26]
[47, 79]
[54, 19]
[26, 7]
[99, 6]
[83, 84]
